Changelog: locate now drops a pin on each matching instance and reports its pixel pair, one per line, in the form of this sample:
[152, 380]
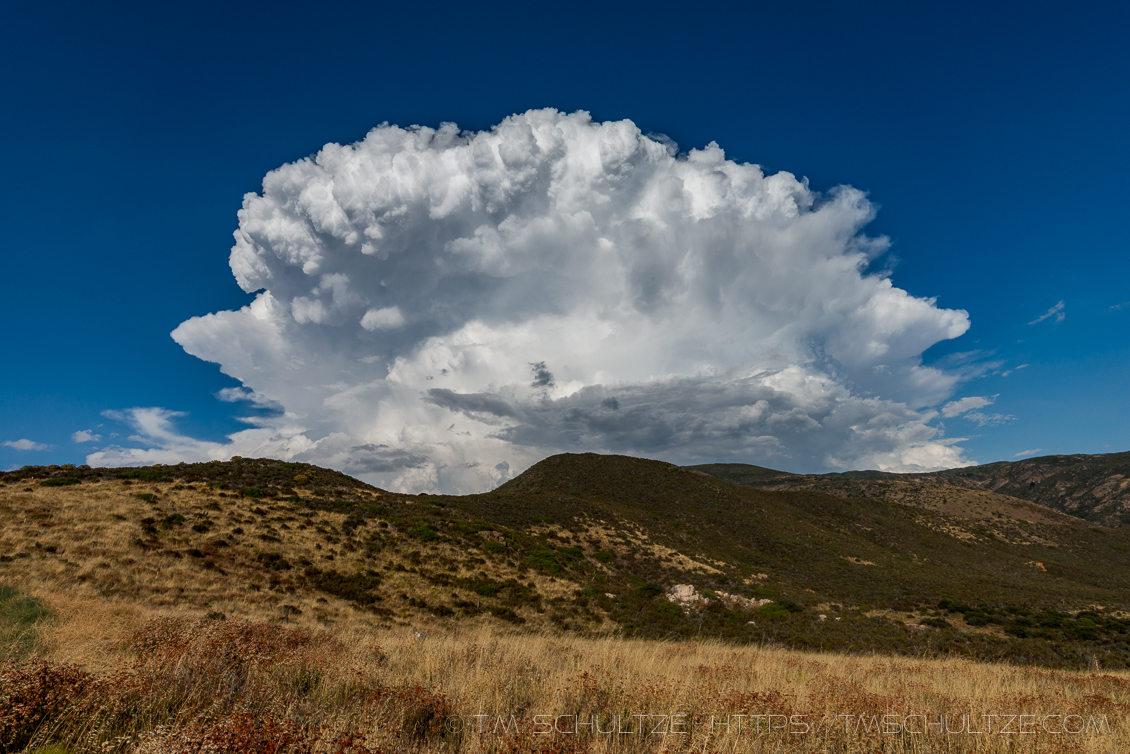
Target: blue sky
[991, 140]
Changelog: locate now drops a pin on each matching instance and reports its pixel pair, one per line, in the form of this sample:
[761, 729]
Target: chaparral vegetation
[594, 603]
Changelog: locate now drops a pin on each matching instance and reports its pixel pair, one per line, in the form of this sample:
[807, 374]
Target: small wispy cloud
[26, 444]
[85, 435]
[1007, 372]
[989, 420]
[1118, 307]
[958, 407]
[239, 394]
[1025, 453]
[1056, 311]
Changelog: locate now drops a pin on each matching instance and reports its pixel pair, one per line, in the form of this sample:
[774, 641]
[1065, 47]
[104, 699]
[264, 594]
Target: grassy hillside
[260, 606]
[582, 544]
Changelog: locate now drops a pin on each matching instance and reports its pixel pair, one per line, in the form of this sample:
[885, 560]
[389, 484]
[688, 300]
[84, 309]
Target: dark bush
[424, 533]
[60, 482]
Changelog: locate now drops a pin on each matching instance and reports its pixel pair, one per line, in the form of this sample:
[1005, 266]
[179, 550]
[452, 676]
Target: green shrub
[495, 547]
[603, 557]
[424, 533]
[360, 587]
[544, 560]
[145, 475]
[251, 492]
[60, 482]
[773, 610]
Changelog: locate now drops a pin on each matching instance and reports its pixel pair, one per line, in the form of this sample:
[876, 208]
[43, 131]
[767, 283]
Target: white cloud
[155, 430]
[1025, 453]
[956, 408]
[439, 309]
[1056, 311]
[26, 445]
[85, 435]
[239, 395]
[388, 318]
[989, 420]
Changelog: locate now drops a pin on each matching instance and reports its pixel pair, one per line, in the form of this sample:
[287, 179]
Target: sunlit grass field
[122, 678]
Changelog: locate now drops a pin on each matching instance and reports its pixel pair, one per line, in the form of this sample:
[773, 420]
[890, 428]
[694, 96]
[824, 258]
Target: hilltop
[580, 544]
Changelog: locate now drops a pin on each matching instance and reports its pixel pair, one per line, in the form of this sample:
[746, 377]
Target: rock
[735, 600]
[685, 595]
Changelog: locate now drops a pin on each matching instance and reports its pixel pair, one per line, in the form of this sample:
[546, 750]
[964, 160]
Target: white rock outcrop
[685, 595]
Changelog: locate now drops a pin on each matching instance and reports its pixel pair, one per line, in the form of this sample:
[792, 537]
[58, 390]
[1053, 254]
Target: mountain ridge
[1094, 488]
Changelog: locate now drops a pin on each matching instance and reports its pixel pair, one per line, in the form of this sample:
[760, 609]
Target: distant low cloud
[26, 445]
[85, 435]
[1119, 307]
[1056, 311]
[436, 310]
[155, 429]
[1026, 453]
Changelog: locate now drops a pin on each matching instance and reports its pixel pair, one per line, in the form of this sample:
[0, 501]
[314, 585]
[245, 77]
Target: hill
[585, 544]
[1094, 488]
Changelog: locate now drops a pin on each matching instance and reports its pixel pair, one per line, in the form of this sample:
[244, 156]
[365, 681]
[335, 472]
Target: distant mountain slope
[1091, 487]
[1095, 488]
[583, 543]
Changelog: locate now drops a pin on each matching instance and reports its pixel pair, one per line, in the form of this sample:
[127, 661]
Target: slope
[579, 543]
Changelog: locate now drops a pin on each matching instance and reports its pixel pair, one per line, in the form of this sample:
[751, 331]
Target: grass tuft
[20, 616]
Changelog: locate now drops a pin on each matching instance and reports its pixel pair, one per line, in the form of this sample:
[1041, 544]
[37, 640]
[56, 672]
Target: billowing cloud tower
[436, 310]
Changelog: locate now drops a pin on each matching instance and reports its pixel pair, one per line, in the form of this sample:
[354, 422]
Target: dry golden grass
[89, 540]
[126, 664]
[221, 685]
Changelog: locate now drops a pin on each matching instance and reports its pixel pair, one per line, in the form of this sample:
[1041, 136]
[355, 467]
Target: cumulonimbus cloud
[438, 309]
